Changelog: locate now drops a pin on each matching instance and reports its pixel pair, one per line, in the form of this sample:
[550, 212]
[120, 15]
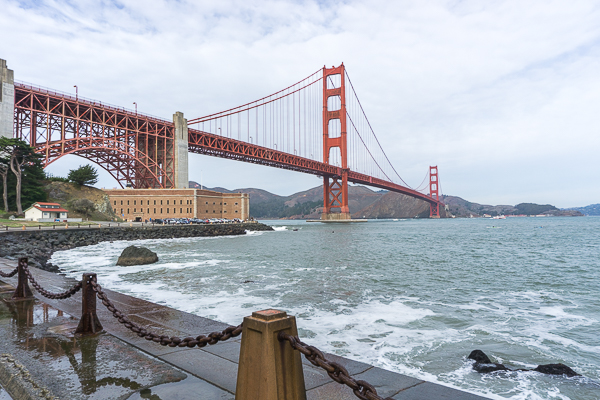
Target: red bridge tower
[434, 208]
[335, 193]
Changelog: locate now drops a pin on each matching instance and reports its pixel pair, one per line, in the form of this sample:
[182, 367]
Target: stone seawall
[38, 246]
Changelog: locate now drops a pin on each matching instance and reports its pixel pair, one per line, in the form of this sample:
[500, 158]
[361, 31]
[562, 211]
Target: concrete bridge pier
[7, 100]
[181, 151]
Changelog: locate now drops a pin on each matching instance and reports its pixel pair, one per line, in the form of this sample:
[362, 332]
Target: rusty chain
[173, 341]
[8, 275]
[50, 295]
[363, 390]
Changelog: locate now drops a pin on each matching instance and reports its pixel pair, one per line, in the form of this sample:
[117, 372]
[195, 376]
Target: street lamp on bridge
[135, 107]
[76, 92]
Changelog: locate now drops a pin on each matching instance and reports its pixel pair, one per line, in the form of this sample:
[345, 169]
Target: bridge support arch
[139, 151]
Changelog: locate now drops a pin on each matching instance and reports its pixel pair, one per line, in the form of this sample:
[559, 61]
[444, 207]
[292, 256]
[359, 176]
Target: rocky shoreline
[39, 246]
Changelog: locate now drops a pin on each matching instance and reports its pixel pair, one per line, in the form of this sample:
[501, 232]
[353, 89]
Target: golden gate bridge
[315, 126]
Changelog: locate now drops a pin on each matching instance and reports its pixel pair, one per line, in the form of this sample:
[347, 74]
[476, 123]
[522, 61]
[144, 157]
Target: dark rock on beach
[483, 364]
[133, 255]
[39, 245]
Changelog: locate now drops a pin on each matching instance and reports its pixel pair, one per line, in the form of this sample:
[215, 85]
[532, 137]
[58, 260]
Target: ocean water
[411, 296]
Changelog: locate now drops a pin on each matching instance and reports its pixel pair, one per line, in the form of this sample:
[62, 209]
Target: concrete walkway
[208, 373]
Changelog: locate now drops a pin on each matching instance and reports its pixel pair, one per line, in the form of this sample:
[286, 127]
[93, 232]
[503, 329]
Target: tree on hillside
[20, 156]
[84, 175]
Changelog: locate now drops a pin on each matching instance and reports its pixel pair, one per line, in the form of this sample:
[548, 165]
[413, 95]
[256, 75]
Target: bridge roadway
[211, 371]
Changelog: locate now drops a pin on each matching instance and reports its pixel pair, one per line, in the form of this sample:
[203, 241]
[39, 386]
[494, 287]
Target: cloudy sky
[504, 96]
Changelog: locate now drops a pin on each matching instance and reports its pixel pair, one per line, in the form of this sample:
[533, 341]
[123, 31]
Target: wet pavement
[4, 395]
[37, 335]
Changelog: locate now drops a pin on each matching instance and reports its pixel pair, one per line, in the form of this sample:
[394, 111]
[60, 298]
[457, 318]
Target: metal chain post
[22, 291]
[89, 324]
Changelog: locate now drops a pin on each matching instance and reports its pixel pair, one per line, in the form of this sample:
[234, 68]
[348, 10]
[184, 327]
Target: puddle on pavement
[102, 367]
[4, 395]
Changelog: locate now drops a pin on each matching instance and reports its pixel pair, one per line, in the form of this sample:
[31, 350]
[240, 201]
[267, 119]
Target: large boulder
[133, 255]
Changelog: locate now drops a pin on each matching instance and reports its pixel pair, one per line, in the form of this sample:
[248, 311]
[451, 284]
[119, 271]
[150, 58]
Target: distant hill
[394, 205]
[592, 209]
[463, 208]
[366, 203]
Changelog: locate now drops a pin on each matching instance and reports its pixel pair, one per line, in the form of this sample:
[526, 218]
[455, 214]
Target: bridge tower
[434, 208]
[7, 100]
[335, 188]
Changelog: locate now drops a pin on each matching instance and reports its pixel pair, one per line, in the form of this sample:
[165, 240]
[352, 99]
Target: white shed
[45, 212]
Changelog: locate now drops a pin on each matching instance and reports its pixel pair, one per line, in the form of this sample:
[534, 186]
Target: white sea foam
[280, 228]
[254, 233]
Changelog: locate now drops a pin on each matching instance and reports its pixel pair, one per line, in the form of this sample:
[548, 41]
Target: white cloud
[502, 95]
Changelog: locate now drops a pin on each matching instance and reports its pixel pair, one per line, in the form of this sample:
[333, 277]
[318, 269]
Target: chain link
[173, 341]
[363, 390]
[8, 275]
[50, 295]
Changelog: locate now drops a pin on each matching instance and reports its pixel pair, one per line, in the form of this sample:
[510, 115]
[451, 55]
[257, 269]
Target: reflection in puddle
[99, 367]
[86, 369]
[4, 395]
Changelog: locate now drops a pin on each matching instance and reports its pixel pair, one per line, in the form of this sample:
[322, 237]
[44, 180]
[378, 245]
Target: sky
[503, 96]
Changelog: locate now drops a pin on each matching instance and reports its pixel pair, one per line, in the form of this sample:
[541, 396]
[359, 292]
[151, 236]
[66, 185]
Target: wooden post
[269, 369]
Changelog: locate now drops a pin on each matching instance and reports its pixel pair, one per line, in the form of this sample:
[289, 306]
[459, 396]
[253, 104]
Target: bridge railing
[87, 101]
[268, 368]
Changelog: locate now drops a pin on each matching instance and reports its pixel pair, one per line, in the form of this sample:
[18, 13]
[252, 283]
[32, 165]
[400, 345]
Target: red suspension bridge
[316, 126]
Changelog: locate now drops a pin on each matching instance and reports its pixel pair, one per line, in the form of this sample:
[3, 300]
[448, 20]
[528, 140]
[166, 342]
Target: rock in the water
[491, 367]
[556, 369]
[133, 255]
[479, 357]
[484, 364]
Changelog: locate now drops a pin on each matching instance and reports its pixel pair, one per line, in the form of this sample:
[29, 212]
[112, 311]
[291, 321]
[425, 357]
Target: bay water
[411, 296]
